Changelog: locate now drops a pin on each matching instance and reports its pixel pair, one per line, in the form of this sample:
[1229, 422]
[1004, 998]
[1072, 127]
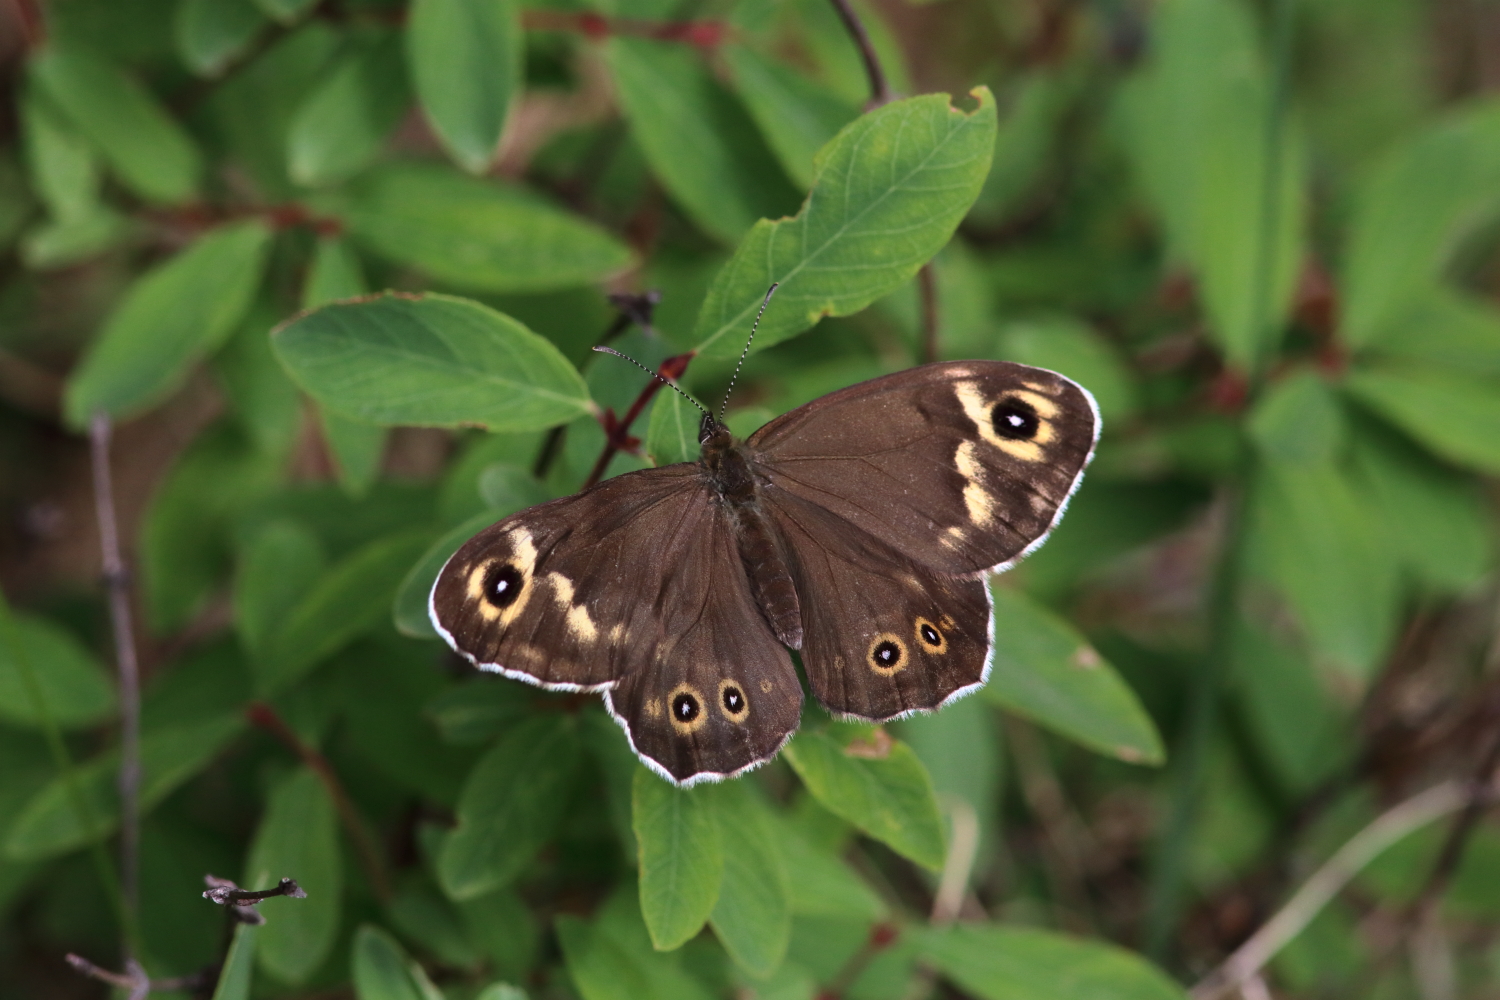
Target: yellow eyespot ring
[685, 709]
[930, 637]
[729, 693]
[887, 654]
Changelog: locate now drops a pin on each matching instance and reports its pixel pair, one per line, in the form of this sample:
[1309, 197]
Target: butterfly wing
[882, 635]
[894, 497]
[633, 588]
[961, 466]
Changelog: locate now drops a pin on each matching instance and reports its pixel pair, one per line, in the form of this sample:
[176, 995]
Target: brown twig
[928, 291]
[242, 902]
[880, 90]
[264, 716]
[618, 431]
[117, 581]
[134, 979]
[882, 936]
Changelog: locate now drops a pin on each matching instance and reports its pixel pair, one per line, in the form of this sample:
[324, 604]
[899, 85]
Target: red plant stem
[118, 583]
[705, 34]
[672, 368]
[264, 716]
[880, 90]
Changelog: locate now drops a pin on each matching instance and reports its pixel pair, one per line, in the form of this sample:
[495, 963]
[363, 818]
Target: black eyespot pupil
[887, 654]
[502, 585]
[685, 708]
[1015, 419]
[733, 699]
[930, 636]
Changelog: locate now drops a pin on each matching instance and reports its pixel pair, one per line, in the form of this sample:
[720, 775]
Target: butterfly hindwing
[961, 466]
[883, 636]
[634, 588]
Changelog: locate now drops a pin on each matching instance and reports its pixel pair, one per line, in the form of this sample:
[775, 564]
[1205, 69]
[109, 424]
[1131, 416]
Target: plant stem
[118, 584]
[880, 90]
[265, 717]
[1308, 901]
[619, 433]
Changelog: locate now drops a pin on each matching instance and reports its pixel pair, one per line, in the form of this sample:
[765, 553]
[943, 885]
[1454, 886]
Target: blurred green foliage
[1263, 234]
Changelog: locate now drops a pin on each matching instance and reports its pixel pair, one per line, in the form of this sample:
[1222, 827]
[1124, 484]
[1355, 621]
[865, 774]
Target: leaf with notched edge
[888, 192]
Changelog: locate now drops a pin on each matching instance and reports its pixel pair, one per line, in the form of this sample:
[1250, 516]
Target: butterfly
[857, 530]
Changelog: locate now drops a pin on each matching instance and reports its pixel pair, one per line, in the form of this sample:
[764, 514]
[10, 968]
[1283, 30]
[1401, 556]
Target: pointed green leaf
[63, 167]
[674, 105]
[1299, 420]
[1196, 121]
[174, 315]
[298, 838]
[1043, 669]
[466, 63]
[381, 968]
[511, 803]
[883, 790]
[887, 193]
[753, 915]
[479, 234]
[140, 141]
[358, 449]
[1454, 413]
[672, 435]
[1020, 963]
[267, 405]
[1318, 542]
[797, 116]
[341, 126]
[334, 274]
[1446, 328]
[612, 958]
[239, 965]
[49, 825]
[211, 33]
[1410, 215]
[819, 882]
[350, 598]
[430, 360]
[74, 687]
[681, 858]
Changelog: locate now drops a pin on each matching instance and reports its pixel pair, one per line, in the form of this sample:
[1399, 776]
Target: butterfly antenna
[746, 352]
[669, 383]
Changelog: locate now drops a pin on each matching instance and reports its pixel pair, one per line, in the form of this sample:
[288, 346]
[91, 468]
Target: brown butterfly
[857, 529]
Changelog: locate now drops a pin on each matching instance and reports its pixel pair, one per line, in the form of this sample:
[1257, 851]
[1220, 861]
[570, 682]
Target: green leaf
[174, 315]
[1454, 413]
[672, 435]
[960, 747]
[49, 825]
[673, 104]
[350, 598]
[276, 569]
[753, 915]
[681, 858]
[265, 401]
[430, 360]
[1299, 420]
[334, 274]
[887, 193]
[1447, 328]
[298, 838]
[511, 803]
[212, 33]
[409, 610]
[59, 244]
[1409, 217]
[239, 965]
[1295, 721]
[819, 882]
[889, 797]
[502, 927]
[479, 235]
[466, 63]
[340, 128]
[381, 969]
[796, 115]
[140, 141]
[612, 958]
[1196, 126]
[1046, 671]
[184, 543]
[64, 170]
[285, 11]
[1021, 963]
[1073, 348]
[358, 449]
[76, 689]
[1317, 541]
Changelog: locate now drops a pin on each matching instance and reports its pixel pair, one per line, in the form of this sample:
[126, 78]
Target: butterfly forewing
[634, 583]
[962, 466]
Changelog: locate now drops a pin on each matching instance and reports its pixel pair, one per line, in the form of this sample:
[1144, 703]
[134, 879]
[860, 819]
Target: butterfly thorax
[730, 470]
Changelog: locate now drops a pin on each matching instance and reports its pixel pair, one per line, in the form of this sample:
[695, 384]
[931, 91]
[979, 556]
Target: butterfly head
[712, 430]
